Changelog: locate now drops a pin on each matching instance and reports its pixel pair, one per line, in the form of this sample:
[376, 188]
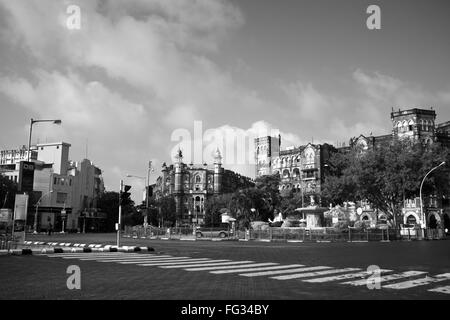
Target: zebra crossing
[351, 276]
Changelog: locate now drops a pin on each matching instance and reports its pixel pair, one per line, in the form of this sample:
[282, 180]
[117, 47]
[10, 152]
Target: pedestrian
[50, 227]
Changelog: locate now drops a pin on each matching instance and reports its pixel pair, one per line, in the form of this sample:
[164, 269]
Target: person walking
[50, 228]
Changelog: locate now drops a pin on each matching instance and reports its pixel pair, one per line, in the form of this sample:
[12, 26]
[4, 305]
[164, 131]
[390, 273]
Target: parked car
[213, 232]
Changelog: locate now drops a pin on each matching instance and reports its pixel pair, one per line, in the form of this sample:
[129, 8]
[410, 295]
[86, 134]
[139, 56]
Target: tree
[167, 210]
[108, 203]
[385, 175]
[215, 206]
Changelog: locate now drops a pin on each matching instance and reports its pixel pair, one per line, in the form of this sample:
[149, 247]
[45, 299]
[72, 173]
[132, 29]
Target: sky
[139, 78]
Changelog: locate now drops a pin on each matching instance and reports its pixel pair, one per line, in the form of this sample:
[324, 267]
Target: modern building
[192, 185]
[63, 190]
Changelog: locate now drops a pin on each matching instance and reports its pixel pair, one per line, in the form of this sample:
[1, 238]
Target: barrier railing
[7, 242]
[286, 234]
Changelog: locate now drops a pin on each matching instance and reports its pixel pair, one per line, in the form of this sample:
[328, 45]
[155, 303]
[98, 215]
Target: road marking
[79, 255]
[343, 276]
[174, 262]
[268, 273]
[231, 267]
[445, 289]
[118, 259]
[208, 263]
[386, 278]
[136, 260]
[257, 269]
[418, 282]
[89, 257]
[313, 274]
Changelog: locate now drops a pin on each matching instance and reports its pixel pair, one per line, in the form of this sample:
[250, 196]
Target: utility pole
[120, 213]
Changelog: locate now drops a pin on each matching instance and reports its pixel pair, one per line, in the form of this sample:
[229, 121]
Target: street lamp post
[36, 213]
[147, 182]
[424, 220]
[32, 121]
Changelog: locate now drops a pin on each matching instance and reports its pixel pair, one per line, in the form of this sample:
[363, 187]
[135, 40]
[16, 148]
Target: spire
[217, 156]
[179, 155]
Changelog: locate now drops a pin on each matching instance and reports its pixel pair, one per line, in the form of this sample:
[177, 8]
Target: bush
[341, 225]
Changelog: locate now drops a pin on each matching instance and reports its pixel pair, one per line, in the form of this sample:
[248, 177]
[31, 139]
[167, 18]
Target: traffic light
[125, 195]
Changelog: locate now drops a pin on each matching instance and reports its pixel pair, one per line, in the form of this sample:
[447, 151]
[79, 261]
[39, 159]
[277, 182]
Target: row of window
[423, 125]
[62, 181]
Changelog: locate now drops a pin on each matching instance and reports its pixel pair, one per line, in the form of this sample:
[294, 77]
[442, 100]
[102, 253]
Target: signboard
[5, 215]
[20, 216]
[63, 214]
[225, 218]
[26, 176]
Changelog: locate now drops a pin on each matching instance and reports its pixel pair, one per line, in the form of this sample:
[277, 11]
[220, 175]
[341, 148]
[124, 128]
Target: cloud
[363, 108]
[135, 71]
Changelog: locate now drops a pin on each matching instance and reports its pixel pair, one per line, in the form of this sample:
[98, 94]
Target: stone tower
[178, 182]
[418, 124]
[218, 172]
[266, 149]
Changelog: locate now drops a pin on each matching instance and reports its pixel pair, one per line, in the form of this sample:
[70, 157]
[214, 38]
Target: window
[411, 220]
[198, 179]
[61, 197]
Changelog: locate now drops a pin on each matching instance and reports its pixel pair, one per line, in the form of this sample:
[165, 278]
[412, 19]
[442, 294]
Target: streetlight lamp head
[443, 163]
[57, 122]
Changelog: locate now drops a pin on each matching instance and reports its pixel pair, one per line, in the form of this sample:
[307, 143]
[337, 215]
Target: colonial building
[192, 185]
[301, 169]
[417, 124]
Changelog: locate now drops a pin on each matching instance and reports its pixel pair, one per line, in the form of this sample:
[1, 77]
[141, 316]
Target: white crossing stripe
[269, 273]
[344, 276]
[386, 278]
[257, 269]
[418, 282]
[313, 274]
[118, 259]
[80, 255]
[231, 267]
[173, 262]
[166, 262]
[149, 260]
[180, 259]
[208, 264]
[87, 257]
[445, 289]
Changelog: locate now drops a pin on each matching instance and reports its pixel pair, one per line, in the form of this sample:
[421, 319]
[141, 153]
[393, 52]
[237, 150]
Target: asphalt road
[44, 277]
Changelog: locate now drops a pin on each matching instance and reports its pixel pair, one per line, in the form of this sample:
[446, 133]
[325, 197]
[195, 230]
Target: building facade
[303, 168]
[192, 185]
[63, 190]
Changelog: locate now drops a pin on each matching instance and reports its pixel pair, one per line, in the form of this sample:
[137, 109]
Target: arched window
[411, 220]
[197, 198]
[286, 173]
[198, 179]
[410, 125]
[296, 172]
